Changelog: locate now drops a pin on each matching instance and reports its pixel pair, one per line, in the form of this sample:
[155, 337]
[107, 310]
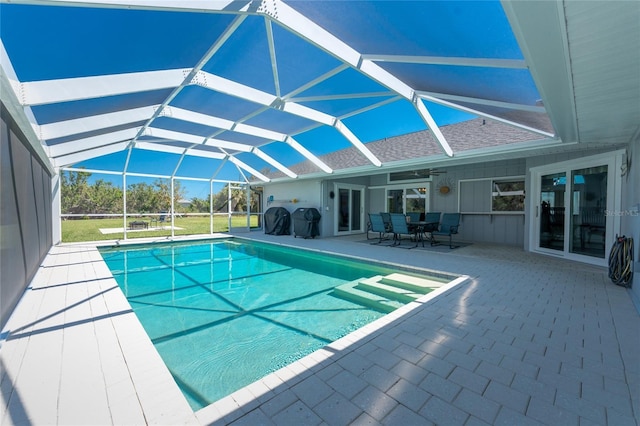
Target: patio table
[138, 224]
[421, 228]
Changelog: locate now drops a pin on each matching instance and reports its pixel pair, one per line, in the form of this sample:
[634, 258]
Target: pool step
[349, 292]
[376, 286]
[409, 282]
[386, 293]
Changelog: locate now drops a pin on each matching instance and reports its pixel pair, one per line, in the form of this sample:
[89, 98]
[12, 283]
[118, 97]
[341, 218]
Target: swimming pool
[223, 313]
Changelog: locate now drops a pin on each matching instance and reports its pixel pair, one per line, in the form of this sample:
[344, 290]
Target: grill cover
[277, 221]
[305, 222]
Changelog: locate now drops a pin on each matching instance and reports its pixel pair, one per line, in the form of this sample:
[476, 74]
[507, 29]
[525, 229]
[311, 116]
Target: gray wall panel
[36, 179]
[21, 162]
[475, 196]
[25, 216]
[499, 229]
[48, 215]
[376, 201]
[12, 268]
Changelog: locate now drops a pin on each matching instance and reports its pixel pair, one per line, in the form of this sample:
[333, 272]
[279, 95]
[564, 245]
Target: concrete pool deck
[529, 339]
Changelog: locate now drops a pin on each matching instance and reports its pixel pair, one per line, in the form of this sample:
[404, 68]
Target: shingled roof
[463, 136]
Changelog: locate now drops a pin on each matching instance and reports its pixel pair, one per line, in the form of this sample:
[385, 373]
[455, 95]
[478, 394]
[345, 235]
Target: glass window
[394, 201]
[507, 196]
[416, 200]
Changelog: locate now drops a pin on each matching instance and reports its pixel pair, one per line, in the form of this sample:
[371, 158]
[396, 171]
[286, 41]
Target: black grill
[305, 222]
[277, 221]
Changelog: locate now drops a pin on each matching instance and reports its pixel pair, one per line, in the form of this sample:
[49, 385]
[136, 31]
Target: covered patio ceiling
[238, 90]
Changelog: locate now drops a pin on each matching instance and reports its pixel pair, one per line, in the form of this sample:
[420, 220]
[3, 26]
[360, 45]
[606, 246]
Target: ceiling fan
[418, 174]
[428, 172]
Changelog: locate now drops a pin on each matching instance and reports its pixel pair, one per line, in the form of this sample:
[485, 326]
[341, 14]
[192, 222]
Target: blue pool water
[223, 314]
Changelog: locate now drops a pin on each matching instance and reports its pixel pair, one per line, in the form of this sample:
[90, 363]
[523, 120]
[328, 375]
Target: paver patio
[529, 339]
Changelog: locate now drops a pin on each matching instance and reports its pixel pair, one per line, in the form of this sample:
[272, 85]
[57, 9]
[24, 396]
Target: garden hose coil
[621, 262]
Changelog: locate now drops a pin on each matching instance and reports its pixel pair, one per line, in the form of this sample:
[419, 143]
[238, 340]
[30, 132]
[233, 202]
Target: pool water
[223, 314]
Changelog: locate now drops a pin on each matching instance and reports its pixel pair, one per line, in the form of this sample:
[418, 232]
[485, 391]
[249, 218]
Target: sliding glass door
[349, 209]
[572, 211]
[551, 211]
[588, 211]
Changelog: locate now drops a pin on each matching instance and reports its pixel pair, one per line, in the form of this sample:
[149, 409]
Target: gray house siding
[477, 226]
[471, 181]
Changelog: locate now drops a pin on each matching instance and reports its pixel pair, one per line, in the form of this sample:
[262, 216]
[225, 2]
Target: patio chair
[448, 226]
[414, 217]
[400, 227]
[162, 219]
[432, 217]
[432, 222]
[386, 218]
[376, 224]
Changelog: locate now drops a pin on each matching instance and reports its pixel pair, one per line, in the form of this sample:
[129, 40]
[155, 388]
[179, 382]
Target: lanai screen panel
[463, 52]
[260, 85]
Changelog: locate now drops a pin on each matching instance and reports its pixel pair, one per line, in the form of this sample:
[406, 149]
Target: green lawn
[89, 229]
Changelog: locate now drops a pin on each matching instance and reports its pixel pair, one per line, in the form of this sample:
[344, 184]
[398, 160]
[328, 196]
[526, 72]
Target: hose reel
[621, 262]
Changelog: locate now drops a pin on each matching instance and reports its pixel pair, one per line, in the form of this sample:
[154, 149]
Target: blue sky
[83, 42]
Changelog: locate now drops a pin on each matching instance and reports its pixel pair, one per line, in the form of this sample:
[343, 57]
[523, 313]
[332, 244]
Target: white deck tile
[322, 356]
[38, 380]
[123, 404]
[260, 390]
[209, 414]
[224, 407]
[273, 382]
[245, 399]
[287, 374]
[83, 396]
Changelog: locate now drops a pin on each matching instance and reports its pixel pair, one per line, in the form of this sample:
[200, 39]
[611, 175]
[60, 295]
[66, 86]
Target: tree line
[79, 196]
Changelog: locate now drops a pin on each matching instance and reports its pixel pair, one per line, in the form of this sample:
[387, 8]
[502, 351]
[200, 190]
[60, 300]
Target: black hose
[621, 262]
